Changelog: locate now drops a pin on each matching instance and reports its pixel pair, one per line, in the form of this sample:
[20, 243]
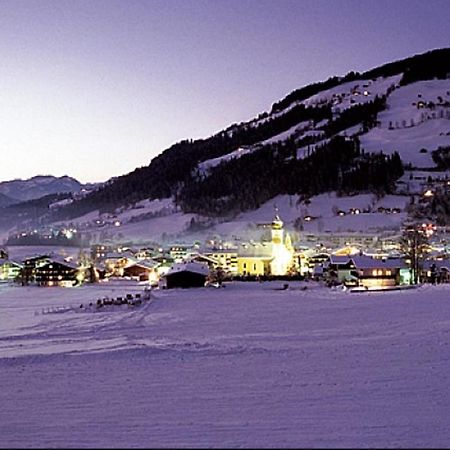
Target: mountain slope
[6, 201]
[39, 186]
[317, 139]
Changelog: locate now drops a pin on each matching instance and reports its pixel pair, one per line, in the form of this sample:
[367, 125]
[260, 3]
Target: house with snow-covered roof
[226, 258]
[436, 271]
[340, 268]
[59, 272]
[9, 269]
[115, 262]
[186, 275]
[369, 272]
[143, 270]
[381, 272]
[30, 265]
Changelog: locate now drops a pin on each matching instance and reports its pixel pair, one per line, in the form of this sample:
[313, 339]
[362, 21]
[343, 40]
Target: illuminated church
[268, 258]
[282, 250]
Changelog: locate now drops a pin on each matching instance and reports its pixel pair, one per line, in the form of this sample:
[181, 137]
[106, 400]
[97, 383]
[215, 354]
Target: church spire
[277, 223]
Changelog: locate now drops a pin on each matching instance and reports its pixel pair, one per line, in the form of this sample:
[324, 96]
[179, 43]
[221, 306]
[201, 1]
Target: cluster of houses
[194, 265]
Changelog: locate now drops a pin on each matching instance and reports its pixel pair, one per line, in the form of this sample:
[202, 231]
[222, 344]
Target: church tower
[277, 230]
[281, 255]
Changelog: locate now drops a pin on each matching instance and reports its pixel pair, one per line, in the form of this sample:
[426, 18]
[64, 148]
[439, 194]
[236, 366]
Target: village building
[312, 263]
[254, 259]
[100, 271]
[186, 275]
[145, 253]
[363, 270]
[10, 270]
[341, 239]
[378, 273]
[30, 265]
[144, 270]
[340, 268]
[164, 263]
[58, 272]
[436, 271]
[115, 262]
[226, 258]
[274, 258]
[212, 263]
[99, 251]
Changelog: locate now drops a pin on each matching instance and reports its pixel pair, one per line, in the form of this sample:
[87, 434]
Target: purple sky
[94, 89]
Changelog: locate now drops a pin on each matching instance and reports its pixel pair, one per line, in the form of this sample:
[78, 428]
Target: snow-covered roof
[117, 255]
[440, 265]
[218, 251]
[35, 257]
[191, 266]
[339, 259]
[62, 261]
[256, 250]
[146, 264]
[366, 262]
[10, 262]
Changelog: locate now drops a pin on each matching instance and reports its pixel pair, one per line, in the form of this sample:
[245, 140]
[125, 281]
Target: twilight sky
[94, 89]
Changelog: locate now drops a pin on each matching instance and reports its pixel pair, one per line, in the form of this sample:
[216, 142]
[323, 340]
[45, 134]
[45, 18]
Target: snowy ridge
[354, 92]
[405, 126]
[39, 186]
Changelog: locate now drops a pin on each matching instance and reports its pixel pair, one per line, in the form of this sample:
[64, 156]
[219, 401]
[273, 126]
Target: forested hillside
[271, 167]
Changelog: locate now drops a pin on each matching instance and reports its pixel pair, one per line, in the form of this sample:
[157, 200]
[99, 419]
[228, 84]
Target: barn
[186, 275]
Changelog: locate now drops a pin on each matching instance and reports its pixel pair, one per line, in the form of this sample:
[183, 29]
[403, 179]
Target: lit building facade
[268, 258]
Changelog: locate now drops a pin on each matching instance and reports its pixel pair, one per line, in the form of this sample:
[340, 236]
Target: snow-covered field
[249, 366]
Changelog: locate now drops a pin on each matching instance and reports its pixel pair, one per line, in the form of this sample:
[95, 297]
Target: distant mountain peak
[38, 186]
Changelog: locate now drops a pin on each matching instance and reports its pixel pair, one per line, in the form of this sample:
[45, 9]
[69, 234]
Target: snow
[351, 131]
[306, 150]
[157, 206]
[174, 226]
[323, 207]
[204, 167]
[249, 365]
[38, 186]
[409, 141]
[157, 229]
[192, 266]
[427, 132]
[296, 130]
[341, 97]
[161, 220]
[21, 252]
[169, 225]
[416, 181]
[145, 221]
[342, 94]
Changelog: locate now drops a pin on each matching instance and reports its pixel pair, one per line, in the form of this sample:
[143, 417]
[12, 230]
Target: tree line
[251, 180]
